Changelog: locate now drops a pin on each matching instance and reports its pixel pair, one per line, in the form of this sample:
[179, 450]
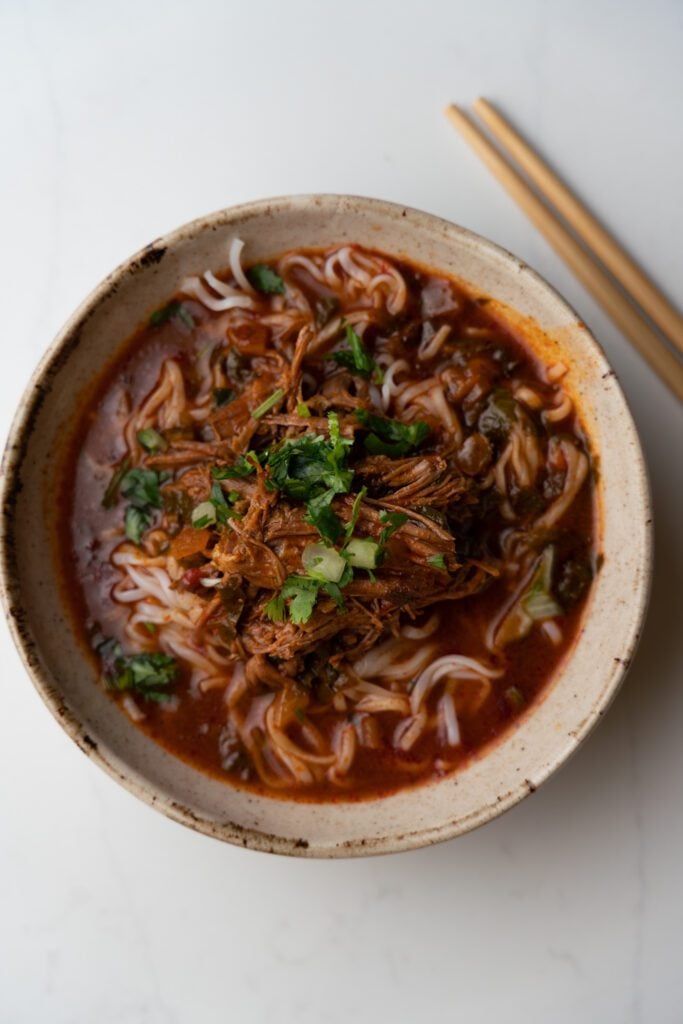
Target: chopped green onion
[438, 562]
[204, 515]
[363, 554]
[538, 602]
[264, 407]
[151, 440]
[321, 562]
[303, 410]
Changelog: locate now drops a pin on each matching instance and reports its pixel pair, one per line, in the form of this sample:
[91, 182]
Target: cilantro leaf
[306, 466]
[264, 279]
[245, 465]
[356, 358]
[222, 504]
[302, 593]
[299, 595]
[390, 437]
[167, 312]
[393, 521]
[149, 675]
[320, 513]
[276, 609]
[141, 488]
[136, 521]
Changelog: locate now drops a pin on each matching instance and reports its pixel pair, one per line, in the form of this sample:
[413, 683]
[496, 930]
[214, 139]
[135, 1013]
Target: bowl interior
[65, 678]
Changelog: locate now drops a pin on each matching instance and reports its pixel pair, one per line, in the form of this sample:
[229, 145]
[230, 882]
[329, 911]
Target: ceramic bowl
[65, 678]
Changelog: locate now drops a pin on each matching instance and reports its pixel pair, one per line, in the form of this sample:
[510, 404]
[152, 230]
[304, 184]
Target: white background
[122, 120]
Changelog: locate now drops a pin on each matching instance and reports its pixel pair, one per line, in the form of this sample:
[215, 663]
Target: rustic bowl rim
[67, 339]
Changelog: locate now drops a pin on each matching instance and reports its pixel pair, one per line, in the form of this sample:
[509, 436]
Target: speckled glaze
[64, 677]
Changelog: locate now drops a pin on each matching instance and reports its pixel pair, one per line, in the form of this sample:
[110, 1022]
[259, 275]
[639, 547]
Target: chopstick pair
[623, 304]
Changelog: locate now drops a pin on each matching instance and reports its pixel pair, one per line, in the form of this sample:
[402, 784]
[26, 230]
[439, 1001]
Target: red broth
[492, 563]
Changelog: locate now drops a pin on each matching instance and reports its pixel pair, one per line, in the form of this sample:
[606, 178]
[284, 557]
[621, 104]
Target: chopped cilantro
[320, 513]
[299, 595]
[222, 504]
[245, 465]
[390, 437]
[356, 358]
[149, 675]
[264, 279]
[141, 488]
[393, 521]
[169, 311]
[314, 470]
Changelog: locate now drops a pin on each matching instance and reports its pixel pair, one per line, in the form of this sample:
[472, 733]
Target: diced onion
[204, 514]
[323, 562]
[362, 553]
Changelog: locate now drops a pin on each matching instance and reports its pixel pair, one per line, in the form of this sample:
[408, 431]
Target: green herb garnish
[299, 595]
[356, 358]
[151, 440]
[266, 406]
[149, 675]
[314, 470]
[393, 521]
[265, 280]
[390, 437]
[245, 465]
[438, 562]
[303, 410]
[167, 312]
[141, 488]
[112, 491]
[136, 521]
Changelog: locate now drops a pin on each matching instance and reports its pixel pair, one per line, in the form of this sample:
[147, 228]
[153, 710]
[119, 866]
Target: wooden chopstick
[589, 272]
[606, 248]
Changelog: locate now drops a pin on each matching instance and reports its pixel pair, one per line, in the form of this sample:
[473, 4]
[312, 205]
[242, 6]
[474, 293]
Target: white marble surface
[122, 120]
